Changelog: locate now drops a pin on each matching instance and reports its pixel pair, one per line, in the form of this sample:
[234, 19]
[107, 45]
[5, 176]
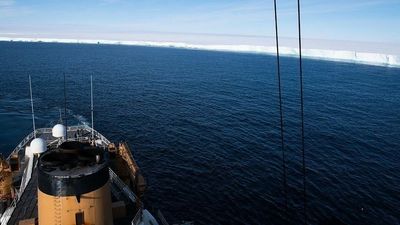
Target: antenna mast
[61, 119]
[91, 103]
[65, 110]
[33, 112]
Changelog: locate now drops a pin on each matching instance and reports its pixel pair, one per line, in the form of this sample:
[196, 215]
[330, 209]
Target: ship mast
[91, 104]
[33, 111]
[61, 119]
[65, 110]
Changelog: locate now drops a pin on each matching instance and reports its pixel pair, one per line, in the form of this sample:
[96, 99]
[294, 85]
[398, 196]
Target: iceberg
[371, 58]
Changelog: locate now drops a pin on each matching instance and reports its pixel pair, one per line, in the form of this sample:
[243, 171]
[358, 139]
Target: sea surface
[204, 127]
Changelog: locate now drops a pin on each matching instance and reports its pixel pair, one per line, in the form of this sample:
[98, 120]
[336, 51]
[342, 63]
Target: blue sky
[357, 20]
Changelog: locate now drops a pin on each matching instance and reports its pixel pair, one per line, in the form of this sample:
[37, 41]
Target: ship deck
[26, 207]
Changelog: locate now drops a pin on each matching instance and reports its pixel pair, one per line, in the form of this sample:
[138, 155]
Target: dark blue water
[205, 128]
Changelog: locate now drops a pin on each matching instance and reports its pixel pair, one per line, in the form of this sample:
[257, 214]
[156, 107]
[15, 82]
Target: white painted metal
[58, 131]
[38, 146]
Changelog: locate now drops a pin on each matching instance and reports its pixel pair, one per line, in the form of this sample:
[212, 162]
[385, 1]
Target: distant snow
[381, 59]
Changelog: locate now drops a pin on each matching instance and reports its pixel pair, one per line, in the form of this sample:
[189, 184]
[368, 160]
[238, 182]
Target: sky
[202, 21]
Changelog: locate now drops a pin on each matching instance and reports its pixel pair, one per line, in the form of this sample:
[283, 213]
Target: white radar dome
[38, 146]
[58, 131]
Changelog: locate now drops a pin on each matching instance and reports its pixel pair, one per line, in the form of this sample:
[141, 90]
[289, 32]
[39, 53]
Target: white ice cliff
[323, 54]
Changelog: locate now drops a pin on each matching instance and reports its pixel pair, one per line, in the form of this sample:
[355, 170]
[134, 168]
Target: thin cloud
[110, 1]
[316, 7]
[9, 8]
[6, 3]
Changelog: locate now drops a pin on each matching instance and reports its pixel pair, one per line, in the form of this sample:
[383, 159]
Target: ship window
[79, 219]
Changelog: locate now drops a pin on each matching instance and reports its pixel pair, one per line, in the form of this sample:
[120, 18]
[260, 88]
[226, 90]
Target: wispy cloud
[10, 8]
[318, 7]
[6, 7]
[324, 19]
[6, 3]
[106, 2]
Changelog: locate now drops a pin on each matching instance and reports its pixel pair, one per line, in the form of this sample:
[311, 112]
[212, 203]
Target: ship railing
[26, 177]
[138, 216]
[162, 218]
[22, 144]
[101, 137]
[28, 138]
[25, 180]
[7, 214]
[39, 131]
[122, 186]
[96, 134]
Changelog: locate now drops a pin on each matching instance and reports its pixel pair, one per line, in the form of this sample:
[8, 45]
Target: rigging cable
[302, 115]
[280, 106]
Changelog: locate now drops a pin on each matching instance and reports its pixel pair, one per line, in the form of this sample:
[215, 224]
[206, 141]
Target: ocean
[204, 127]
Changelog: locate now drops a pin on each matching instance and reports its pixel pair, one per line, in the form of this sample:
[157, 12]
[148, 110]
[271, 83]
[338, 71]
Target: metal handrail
[138, 216]
[128, 193]
[7, 214]
[162, 218]
[121, 185]
[30, 136]
[22, 144]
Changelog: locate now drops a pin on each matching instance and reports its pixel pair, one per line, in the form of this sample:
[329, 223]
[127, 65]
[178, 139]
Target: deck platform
[27, 205]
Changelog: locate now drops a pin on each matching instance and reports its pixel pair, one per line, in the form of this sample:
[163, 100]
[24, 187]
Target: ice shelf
[371, 58]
